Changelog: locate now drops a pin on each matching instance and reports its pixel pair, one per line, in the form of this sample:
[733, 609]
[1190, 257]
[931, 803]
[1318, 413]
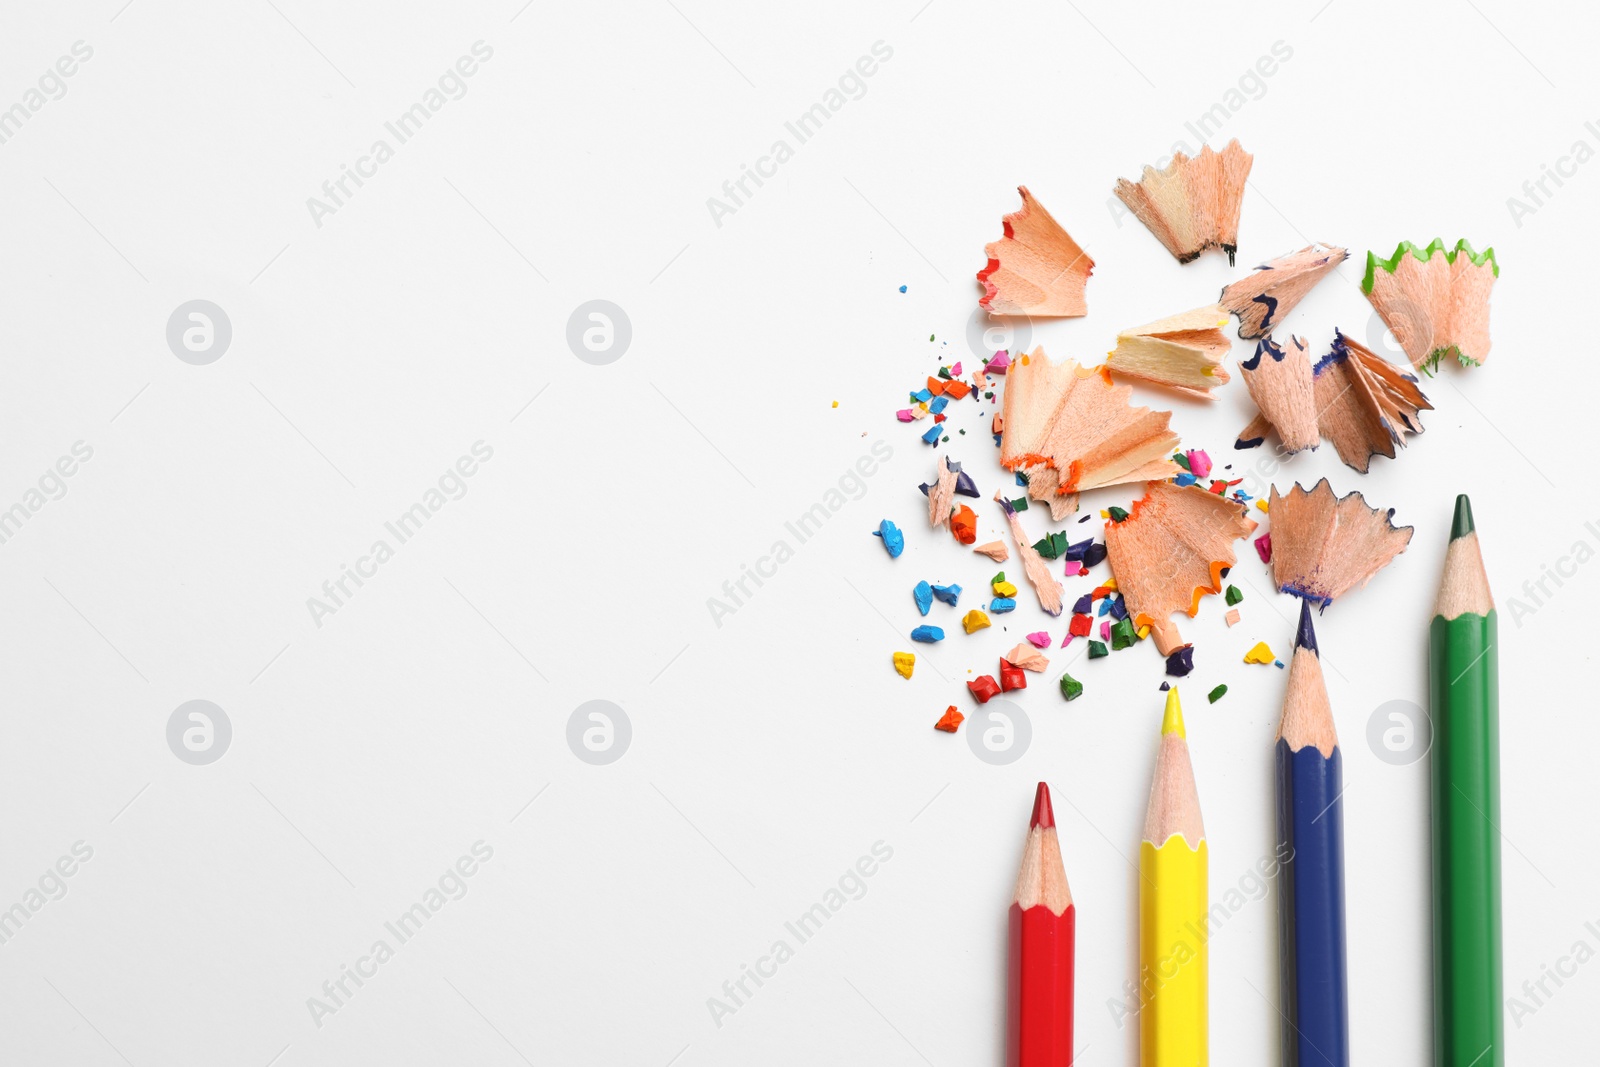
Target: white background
[771, 752]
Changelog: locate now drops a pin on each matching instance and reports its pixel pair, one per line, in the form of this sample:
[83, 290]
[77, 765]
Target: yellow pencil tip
[1172, 721]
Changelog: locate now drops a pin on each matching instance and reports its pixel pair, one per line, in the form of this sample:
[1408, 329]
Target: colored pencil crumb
[894, 542]
[904, 662]
[1011, 676]
[951, 721]
[1217, 694]
[1259, 653]
[983, 688]
[964, 525]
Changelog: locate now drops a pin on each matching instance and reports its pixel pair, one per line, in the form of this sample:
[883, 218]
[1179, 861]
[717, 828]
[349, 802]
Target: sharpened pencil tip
[1042, 815]
[1305, 637]
[1172, 721]
[1463, 522]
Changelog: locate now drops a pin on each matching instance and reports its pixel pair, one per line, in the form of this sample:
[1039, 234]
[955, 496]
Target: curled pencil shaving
[1182, 352]
[1279, 380]
[1193, 204]
[1170, 551]
[1435, 300]
[942, 494]
[1323, 547]
[1045, 587]
[1365, 404]
[1044, 486]
[1036, 268]
[1080, 427]
[1264, 296]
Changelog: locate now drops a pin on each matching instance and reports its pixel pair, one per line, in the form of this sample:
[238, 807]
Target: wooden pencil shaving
[942, 495]
[995, 550]
[1044, 486]
[1170, 551]
[1036, 268]
[1279, 380]
[1045, 587]
[1262, 298]
[1435, 300]
[1070, 428]
[1182, 352]
[1365, 404]
[1193, 204]
[1323, 547]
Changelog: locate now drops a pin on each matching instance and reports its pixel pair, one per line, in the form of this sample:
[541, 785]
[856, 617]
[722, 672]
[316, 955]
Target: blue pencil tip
[1305, 636]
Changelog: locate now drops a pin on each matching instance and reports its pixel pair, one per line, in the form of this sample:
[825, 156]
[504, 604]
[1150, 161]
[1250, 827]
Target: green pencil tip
[1463, 522]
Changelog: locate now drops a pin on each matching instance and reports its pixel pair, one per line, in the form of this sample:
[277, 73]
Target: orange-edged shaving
[1170, 551]
[1072, 428]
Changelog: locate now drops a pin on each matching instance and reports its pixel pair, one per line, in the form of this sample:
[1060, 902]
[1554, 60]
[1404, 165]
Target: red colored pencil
[1039, 979]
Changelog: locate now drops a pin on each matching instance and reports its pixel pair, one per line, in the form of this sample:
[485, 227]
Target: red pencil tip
[1042, 815]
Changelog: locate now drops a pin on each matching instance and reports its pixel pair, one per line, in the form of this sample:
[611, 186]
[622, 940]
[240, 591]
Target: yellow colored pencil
[1173, 900]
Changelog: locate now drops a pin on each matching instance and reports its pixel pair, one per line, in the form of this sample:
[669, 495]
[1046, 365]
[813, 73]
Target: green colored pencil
[1463, 683]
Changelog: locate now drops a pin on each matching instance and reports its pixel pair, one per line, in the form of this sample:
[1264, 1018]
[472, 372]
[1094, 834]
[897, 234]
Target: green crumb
[930, 338]
[1122, 635]
[1020, 504]
[1097, 650]
[999, 576]
[1181, 460]
[1234, 595]
[1051, 546]
[1071, 688]
[1478, 259]
[1217, 693]
[1117, 514]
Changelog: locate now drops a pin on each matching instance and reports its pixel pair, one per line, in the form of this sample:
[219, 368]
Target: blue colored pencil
[1311, 894]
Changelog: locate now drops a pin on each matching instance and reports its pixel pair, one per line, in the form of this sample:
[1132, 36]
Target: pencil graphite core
[1465, 781]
